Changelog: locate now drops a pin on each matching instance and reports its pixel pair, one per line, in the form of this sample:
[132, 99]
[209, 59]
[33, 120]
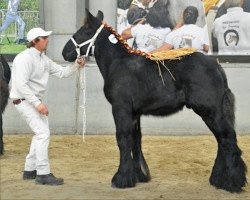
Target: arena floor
[180, 167]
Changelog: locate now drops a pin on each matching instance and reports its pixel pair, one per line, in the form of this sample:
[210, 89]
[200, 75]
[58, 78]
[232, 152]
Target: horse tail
[228, 102]
[223, 74]
[228, 107]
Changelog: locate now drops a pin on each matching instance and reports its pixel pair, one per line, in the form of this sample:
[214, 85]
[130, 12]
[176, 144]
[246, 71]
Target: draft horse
[133, 88]
[5, 75]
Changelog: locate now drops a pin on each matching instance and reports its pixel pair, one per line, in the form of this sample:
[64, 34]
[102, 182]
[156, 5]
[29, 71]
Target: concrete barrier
[62, 101]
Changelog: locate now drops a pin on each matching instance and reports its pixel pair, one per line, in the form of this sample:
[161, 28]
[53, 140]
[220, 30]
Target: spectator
[187, 34]
[151, 34]
[232, 30]
[12, 16]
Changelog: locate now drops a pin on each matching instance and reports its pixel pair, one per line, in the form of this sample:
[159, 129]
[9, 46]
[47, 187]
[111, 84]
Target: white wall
[61, 100]
[64, 19]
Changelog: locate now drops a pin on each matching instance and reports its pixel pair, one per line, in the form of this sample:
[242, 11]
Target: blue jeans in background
[10, 19]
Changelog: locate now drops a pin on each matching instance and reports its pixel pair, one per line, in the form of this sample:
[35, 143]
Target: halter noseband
[90, 42]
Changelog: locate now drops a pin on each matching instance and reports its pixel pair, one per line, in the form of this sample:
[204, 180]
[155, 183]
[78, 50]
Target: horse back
[136, 81]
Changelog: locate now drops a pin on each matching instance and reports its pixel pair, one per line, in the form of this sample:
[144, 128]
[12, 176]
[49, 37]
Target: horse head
[138, 10]
[85, 33]
[6, 75]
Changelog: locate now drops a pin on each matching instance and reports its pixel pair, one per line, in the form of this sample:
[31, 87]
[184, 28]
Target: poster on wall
[206, 25]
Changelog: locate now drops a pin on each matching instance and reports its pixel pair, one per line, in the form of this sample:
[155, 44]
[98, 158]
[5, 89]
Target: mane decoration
[125, 44]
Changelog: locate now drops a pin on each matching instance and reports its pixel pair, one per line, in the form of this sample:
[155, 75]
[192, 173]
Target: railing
[31, 19]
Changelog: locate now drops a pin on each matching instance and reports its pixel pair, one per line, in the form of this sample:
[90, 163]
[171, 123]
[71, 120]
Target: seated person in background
[186, 34]
[232, 30]
[150, 33]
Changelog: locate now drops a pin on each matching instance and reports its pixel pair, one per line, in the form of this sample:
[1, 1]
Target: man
[12, 16]
[30, 73]
[232, 30]
[150, 33]
[187, 34]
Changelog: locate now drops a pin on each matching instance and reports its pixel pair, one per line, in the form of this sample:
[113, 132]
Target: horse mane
[125, 44]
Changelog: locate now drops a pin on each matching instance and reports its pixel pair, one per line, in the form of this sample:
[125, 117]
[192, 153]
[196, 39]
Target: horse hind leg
[140, 165]
[229, 170]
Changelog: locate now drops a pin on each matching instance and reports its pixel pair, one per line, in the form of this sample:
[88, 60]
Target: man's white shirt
[149, 38]
[188, 35]
[30, 74]
[232, 31]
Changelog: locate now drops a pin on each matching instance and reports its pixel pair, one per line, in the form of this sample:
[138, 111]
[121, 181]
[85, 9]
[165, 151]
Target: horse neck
[106, 52]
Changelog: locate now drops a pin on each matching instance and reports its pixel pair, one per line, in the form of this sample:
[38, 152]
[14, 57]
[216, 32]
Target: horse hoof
[224, 181]
[141, 177]
[124, 180]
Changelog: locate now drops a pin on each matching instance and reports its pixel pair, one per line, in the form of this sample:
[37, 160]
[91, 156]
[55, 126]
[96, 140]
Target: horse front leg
[140, 164]
[125, 176]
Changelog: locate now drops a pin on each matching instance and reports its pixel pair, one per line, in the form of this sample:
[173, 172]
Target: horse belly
[164, 105]
[164, 110]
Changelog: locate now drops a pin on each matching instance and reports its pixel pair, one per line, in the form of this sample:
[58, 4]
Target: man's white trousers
[37, 159]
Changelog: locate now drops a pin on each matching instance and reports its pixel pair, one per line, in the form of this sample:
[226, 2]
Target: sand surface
[180, 167]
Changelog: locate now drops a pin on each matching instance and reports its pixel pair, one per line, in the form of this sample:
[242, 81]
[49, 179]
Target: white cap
[37, 32]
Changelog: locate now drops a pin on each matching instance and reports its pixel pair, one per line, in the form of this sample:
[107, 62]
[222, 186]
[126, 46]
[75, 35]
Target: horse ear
[100, 15]
[90, 18]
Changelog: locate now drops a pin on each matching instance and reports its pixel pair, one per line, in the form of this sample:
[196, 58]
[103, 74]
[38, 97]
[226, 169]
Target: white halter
[90, 42]
[82, 78]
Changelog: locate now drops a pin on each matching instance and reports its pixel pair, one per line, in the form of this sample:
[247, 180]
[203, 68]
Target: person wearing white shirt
[30, 73]
[232, 30]
[151, 34]
[12, 16]
[186, 34]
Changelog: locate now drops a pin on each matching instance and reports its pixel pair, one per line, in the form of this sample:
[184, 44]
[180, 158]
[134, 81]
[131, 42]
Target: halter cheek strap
[90, 42]
[82, 77]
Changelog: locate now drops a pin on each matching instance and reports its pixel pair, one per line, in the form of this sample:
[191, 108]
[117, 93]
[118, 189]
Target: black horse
[5, 75]
[133, 87]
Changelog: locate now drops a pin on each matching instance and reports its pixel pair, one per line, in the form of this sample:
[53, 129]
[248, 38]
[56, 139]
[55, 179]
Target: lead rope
[82, 75]
[82, 83]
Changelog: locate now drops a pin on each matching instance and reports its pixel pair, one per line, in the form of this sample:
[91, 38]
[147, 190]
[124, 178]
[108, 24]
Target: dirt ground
[180, 168]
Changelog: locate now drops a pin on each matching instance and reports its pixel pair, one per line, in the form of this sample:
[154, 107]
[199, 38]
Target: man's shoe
[28, 175]
[48, 179]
